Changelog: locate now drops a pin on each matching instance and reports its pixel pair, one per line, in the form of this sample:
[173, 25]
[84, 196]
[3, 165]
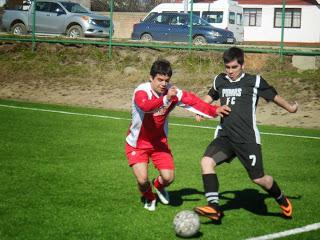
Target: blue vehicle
[175, 27]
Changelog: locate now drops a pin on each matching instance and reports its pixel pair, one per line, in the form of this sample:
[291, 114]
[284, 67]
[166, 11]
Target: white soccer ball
[186, 223]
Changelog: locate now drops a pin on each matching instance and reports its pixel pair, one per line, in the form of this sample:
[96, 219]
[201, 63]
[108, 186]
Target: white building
[262, 20]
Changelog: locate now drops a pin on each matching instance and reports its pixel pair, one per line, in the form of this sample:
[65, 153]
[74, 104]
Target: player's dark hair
[233, 53]
[162, 67]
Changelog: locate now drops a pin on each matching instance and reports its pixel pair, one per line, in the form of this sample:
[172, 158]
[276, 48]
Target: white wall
[309, 31]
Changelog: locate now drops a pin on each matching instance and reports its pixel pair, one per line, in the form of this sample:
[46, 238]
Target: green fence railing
[113, 42]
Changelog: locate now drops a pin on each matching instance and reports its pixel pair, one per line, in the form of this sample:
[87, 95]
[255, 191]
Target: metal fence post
[191, 25]
[34, 25]
[282, 28]
[110, 28]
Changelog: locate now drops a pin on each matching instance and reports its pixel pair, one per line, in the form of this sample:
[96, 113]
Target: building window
[292, 17]
[252, 17]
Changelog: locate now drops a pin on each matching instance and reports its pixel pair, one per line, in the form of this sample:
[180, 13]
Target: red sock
[148, 194]
[157, 184]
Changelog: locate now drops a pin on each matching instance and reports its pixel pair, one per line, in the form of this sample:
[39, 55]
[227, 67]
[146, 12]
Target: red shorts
[161, 156]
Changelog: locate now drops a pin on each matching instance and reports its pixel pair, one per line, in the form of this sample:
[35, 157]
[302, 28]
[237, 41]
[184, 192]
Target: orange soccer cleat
[210, 212]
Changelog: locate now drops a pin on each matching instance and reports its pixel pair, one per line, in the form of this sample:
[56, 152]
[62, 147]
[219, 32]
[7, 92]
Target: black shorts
[222, 150]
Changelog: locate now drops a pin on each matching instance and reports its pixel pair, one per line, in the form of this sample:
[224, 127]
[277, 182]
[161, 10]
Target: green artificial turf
[65, 176]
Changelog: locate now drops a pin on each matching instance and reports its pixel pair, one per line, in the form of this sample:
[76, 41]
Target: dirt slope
[77, 75]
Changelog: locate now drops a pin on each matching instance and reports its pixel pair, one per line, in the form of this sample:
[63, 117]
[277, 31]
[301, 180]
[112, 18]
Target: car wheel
[75, 31]
[19, 29]
[199, 40]
[146, 37]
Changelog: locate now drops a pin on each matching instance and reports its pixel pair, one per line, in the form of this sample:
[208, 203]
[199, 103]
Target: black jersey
[242, 97]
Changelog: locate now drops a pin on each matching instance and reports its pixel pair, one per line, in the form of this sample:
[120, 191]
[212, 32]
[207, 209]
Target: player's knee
[265, 181]
[257, 181]
[143, 181]
[167, 179]
[207, 165]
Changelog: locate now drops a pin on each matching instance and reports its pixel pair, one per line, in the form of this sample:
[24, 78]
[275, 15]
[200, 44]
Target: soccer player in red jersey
[147, 136]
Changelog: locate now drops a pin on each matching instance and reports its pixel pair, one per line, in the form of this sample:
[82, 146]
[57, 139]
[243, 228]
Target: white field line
[306, 228]
[127, 119]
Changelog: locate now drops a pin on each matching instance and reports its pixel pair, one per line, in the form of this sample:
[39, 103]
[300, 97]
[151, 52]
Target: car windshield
[74, 7]
[147, 18]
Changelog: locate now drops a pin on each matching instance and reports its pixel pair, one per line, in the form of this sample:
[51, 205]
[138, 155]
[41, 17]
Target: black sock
[211, 187]
[275, 192]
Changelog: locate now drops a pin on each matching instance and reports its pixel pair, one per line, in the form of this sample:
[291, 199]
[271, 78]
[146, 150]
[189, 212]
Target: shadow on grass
[183, 195]
[196, 236]
[249, 199]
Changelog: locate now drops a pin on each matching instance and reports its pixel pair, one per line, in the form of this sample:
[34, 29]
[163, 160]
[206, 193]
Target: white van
[226, 14]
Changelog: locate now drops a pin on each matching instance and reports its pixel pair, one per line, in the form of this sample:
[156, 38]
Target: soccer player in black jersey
[237, 134]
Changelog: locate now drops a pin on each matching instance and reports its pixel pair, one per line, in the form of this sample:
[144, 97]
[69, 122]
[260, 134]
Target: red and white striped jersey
[149, 125]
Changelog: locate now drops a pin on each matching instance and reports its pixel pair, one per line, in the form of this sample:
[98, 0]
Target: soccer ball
[186, 223]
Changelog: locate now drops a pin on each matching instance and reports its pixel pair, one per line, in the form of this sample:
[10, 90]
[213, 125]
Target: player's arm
[221, 111]
[147, 105]
[207, 99]
[280, 101]
[201, 107]
[270, 94]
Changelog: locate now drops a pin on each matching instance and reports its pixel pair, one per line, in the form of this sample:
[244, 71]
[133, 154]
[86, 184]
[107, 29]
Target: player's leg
[165, 178]
[140, 171]
[211, 188]
[138, 160]
[216, 153]
[272, 187]
[163, 161]
[251, 157]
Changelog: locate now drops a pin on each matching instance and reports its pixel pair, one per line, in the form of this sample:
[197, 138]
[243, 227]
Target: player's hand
[293, 108]
[172, 91]
[223, 111]
[199, 118]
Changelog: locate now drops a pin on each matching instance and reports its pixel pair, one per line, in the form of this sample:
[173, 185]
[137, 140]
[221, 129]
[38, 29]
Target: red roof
[279, 2]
